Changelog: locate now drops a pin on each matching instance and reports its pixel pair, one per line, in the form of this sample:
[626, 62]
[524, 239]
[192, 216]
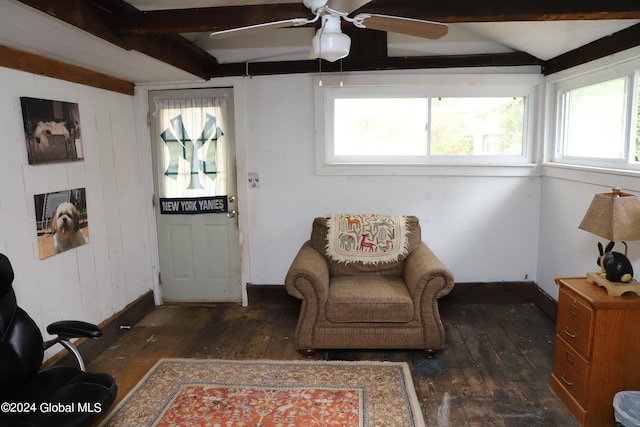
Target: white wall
[94, 281]
[567, 191]
[565, 250]
[483, 228]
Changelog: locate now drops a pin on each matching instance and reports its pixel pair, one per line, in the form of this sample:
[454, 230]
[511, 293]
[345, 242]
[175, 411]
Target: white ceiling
[546, 40]
[27, 29]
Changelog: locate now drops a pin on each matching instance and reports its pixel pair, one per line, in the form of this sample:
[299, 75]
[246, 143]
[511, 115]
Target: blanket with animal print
[369, 239]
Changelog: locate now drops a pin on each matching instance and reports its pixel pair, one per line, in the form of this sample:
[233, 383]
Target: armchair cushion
[355, 299]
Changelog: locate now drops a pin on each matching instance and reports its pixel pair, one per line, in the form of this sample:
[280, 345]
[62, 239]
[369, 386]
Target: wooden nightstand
[597, 349]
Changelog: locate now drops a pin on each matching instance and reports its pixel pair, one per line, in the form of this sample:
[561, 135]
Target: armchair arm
[421, 269]
[67, 329]
[308, 280]
[308, 276]
[428, 279]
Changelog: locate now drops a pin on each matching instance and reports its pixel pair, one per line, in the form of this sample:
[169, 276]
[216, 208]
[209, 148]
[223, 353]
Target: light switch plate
[254, 180]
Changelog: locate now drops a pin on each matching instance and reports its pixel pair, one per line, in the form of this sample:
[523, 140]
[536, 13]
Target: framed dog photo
[52, 130]
[61, 221]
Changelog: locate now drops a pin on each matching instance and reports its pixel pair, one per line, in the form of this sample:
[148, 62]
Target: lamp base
[614, 288]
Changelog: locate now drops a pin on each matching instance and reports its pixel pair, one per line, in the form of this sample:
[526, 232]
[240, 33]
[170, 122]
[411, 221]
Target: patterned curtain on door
[192, 153]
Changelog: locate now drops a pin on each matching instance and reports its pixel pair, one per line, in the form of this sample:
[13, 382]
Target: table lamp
[616, 217]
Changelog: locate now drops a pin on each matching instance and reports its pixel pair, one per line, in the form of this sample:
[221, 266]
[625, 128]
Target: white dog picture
[65, 225]
[62, 221]
[52, 130]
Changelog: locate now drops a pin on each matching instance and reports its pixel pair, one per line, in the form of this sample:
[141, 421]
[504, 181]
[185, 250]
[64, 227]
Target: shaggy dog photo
[65, 226]
[62, 221]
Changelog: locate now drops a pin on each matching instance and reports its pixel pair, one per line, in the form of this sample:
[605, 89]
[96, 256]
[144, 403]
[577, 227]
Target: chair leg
[307, 352]
[430, 353]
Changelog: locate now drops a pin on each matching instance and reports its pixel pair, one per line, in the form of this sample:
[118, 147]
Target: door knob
[232, 213]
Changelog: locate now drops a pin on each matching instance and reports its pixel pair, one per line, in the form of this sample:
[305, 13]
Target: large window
[421, 126]
[422, 129]
[597, 121]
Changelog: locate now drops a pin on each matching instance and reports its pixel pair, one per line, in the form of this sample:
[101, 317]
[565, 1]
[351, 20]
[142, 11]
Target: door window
[192, 156]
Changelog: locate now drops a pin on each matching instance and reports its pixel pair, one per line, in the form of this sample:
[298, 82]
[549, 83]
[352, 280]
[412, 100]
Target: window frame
[329, 88]
[630, 72]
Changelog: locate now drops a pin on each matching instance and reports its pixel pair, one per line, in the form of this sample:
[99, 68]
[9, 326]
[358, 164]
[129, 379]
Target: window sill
[623, 178]
[520, 169]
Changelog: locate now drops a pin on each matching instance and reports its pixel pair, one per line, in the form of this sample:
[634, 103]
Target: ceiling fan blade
[346, 6]
[241, 31]
[397, 24]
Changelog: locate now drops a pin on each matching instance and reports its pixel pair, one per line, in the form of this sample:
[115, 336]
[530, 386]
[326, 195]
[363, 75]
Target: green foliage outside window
[477, 126]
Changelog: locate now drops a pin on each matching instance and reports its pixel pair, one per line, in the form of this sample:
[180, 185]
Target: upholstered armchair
[368, 282]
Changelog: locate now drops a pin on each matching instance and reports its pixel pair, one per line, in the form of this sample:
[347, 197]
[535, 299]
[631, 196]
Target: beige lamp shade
[614, 216]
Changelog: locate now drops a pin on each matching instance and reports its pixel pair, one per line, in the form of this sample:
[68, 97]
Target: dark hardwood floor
[494, 371]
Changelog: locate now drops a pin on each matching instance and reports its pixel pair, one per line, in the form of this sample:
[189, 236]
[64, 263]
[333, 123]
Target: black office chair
[58, 396]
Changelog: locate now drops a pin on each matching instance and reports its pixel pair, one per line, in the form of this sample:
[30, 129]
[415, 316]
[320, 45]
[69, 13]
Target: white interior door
[193, 150]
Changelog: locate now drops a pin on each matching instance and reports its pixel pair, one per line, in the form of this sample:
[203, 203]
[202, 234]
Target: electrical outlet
[254, 180]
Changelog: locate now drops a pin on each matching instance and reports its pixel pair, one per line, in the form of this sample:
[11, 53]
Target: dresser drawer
[571, 370]
[575, 322]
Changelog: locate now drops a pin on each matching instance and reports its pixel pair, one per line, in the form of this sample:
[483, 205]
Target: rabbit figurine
[615, 266]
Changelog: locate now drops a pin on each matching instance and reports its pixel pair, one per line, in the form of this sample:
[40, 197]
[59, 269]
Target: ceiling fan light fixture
[330, 43]
[331, 46]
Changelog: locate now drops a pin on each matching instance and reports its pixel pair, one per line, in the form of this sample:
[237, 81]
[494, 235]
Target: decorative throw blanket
[370, 239]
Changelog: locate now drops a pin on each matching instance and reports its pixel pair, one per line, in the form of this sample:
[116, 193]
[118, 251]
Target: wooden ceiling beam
[155, 33]
[616, 42]
[98, 18]
[450, 11]
[455, 11]
[372, 63]
[366, 43]
[208, 18]
[36, 64]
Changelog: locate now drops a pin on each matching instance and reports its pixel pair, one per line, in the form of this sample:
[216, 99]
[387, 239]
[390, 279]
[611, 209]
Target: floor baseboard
[462, 293]
[112, 329]
[269, 296]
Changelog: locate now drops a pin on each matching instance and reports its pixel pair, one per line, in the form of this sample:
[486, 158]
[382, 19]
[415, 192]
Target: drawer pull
[573, 308]
[566, 381]
[569, 334]
[569, 358]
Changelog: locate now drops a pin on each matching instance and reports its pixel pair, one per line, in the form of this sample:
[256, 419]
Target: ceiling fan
[329, 42]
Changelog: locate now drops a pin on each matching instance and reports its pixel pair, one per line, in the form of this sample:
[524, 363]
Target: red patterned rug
[225, 393]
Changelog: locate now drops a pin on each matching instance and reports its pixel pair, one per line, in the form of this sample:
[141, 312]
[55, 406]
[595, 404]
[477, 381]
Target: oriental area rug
[226, 393]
